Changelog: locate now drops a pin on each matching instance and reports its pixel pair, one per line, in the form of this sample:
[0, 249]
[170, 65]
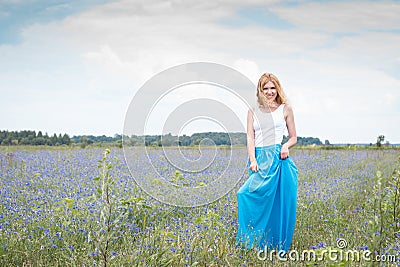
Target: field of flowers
[74, 206]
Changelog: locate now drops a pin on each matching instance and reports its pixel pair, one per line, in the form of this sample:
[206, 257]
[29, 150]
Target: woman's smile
[270, 90]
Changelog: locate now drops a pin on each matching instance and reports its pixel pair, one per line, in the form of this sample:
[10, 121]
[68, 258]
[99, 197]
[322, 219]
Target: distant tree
[32, 136]
[28, 137]
[85, 140]
[39, 141]
[285, 139]
[327, 142]
[196, 142]
[168, 140]
[66, 140]
[155, 143]
[306, 141]
[380, 139]
[184, 140]
[6, 141]
[25, 141]
[54, 140]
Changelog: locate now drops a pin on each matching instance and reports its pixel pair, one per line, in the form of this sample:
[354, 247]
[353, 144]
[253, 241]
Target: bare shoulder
[288, 110]
[250, 111]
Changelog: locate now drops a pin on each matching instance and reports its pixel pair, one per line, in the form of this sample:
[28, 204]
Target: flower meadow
[82, 207]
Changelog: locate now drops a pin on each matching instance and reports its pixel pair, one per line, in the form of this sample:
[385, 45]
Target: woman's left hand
[284, 152]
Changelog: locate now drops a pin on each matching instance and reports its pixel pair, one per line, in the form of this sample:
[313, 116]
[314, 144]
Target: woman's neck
[270, 105]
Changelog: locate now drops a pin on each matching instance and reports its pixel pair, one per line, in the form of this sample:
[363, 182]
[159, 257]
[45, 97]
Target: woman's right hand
[254, 166]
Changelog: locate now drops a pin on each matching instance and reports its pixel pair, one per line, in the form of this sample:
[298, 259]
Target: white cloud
[58, 7]
[221, 97]
[95, 61]
[349, 16]
[248, 68]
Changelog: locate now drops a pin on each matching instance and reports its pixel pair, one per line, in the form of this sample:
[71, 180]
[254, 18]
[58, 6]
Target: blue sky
[16, 15]
[260, 16]
[74, 66]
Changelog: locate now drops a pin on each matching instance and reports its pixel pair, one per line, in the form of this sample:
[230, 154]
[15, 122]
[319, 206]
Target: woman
[267, 200]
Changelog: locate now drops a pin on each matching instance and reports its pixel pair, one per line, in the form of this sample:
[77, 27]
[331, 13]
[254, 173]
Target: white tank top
[269, 127]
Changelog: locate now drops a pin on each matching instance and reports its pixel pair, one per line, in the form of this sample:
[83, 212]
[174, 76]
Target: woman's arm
[289, 118]
[251, 142]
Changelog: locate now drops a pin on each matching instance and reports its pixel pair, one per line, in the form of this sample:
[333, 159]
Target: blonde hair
[265, 78]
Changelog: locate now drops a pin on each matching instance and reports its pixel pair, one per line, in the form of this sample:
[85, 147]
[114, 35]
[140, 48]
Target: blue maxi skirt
[267, 202]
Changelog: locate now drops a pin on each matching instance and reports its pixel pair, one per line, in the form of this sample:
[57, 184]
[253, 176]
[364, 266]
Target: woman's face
[270, 91]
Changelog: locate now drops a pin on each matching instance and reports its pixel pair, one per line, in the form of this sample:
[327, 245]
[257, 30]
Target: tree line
[28, 137]
[207, 138]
